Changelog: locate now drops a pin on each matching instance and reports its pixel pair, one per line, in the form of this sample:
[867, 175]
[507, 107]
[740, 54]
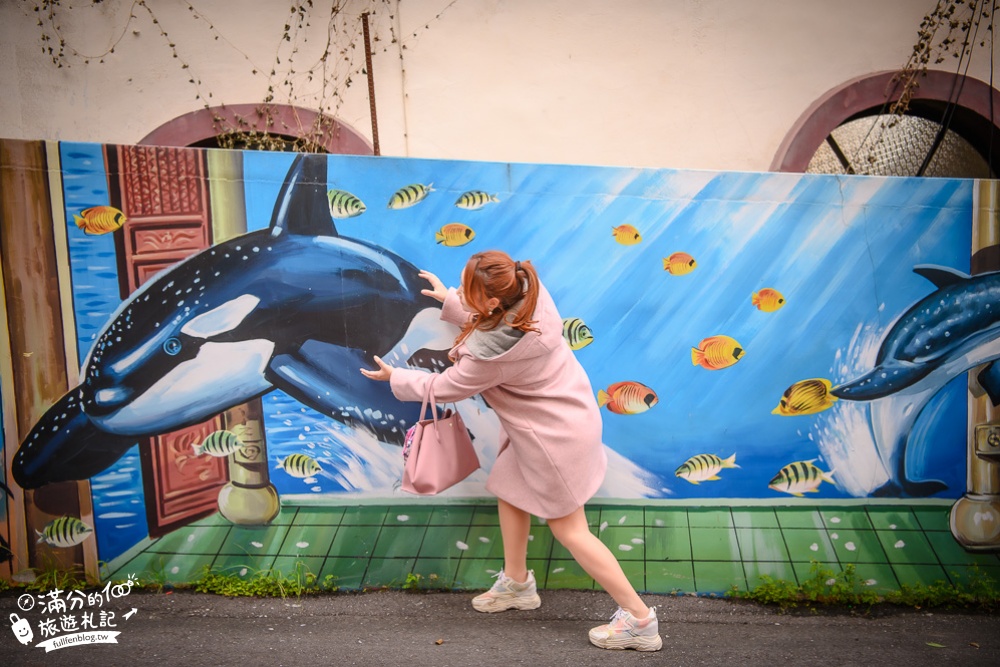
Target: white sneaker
[508, 594]
[627, 631]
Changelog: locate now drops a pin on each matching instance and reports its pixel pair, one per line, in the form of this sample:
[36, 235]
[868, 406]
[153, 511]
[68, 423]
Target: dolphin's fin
[989, 380]
[941, 276]
[302, 206]
[326, 378]
[65, 445]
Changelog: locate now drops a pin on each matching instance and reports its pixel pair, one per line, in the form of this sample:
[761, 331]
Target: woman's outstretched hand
[438, 290]
[382, 374]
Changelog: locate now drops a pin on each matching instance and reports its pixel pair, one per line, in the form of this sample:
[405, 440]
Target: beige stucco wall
[705, 84]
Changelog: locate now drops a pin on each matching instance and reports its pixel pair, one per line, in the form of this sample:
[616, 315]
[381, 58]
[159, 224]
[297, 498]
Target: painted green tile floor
[662, 548]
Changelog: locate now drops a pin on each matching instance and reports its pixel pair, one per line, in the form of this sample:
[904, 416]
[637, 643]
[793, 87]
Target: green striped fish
[800, 477]
[344, 205]
[66, 531]
[219, 444]
[475, 199]
[299, 465]
[577, 333]
[410, 195]
[704, 468]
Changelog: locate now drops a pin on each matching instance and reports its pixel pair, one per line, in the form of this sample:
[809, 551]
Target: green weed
[824, 587]
[265, 583]
[417, 583]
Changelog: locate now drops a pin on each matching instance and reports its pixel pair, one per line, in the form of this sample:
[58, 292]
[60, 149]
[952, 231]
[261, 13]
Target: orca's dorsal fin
[302, 206]
[941, 276]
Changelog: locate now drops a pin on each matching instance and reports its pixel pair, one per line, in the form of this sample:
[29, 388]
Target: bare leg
[596, 559]
[515, 524]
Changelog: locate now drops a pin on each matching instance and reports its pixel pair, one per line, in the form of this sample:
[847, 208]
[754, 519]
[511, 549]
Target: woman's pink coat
[551, 459]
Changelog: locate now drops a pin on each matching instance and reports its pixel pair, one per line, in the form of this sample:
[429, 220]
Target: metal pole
[371, 83]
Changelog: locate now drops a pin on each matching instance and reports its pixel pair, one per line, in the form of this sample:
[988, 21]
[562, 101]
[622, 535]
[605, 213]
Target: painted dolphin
[945, 334]
[294, 307]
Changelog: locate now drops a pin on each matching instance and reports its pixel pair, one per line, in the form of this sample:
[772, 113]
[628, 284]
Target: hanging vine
[319, 84]
[949, 34]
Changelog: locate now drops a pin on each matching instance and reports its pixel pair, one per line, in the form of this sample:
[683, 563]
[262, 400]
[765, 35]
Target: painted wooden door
[164, 196]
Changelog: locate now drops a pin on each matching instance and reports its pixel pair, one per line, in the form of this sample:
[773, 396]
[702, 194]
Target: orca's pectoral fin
[65, 445]
[327, 378]
[989, 380]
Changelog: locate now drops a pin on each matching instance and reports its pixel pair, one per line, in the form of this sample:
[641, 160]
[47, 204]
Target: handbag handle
[429, 398]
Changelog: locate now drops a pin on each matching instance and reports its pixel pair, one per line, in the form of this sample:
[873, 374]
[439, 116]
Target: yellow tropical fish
[64, 532]
[627, 398]
[768, 300]
[679, 264]
[474, 200]
[299, 465]
[805, 397]
[716, 352]
[577, 333]
[218, 444]
[626, 234]
[344, 205]
[100, 219]
[410, 195]
[800, 477]
[454, 234]
[704, 468]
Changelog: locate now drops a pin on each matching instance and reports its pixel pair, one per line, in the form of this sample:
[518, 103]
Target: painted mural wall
[749, 336]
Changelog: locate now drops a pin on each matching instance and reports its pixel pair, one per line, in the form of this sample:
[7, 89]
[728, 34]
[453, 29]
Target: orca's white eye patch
[222, 319]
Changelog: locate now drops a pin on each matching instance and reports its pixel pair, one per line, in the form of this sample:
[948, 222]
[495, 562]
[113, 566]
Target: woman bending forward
[551, 459]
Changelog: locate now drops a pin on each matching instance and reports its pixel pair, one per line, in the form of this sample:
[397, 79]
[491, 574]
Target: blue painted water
[830, 245]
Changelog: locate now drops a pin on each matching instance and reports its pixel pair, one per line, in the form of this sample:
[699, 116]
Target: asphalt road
[441, 630]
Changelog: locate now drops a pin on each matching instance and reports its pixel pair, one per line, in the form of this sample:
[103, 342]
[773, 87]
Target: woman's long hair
[492, 274]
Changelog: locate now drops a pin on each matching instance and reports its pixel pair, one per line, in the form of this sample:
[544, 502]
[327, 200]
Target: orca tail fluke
[911, 489]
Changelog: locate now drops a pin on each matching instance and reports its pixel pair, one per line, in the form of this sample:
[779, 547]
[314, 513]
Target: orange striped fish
[627, 398]
[716, 352]
[679, 264]
[454, 234]
[100, 220]
[768, 300]
[626, 234]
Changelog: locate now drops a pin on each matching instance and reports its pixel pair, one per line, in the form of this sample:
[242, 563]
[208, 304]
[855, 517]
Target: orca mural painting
[294, 306]
[749, 336]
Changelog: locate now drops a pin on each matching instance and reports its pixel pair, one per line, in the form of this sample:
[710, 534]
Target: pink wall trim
[199, 126]
[867, 92]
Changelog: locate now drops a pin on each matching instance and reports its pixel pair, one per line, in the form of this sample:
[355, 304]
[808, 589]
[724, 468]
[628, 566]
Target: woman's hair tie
[517, 267]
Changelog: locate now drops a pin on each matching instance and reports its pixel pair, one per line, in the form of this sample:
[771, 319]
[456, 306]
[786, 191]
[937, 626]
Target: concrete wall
[698, 84]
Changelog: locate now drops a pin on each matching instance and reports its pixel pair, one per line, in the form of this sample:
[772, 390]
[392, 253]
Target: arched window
[202, 128]
[848, 130]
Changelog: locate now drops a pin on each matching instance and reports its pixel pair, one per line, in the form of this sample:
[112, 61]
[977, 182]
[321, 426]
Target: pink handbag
[437, 453]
